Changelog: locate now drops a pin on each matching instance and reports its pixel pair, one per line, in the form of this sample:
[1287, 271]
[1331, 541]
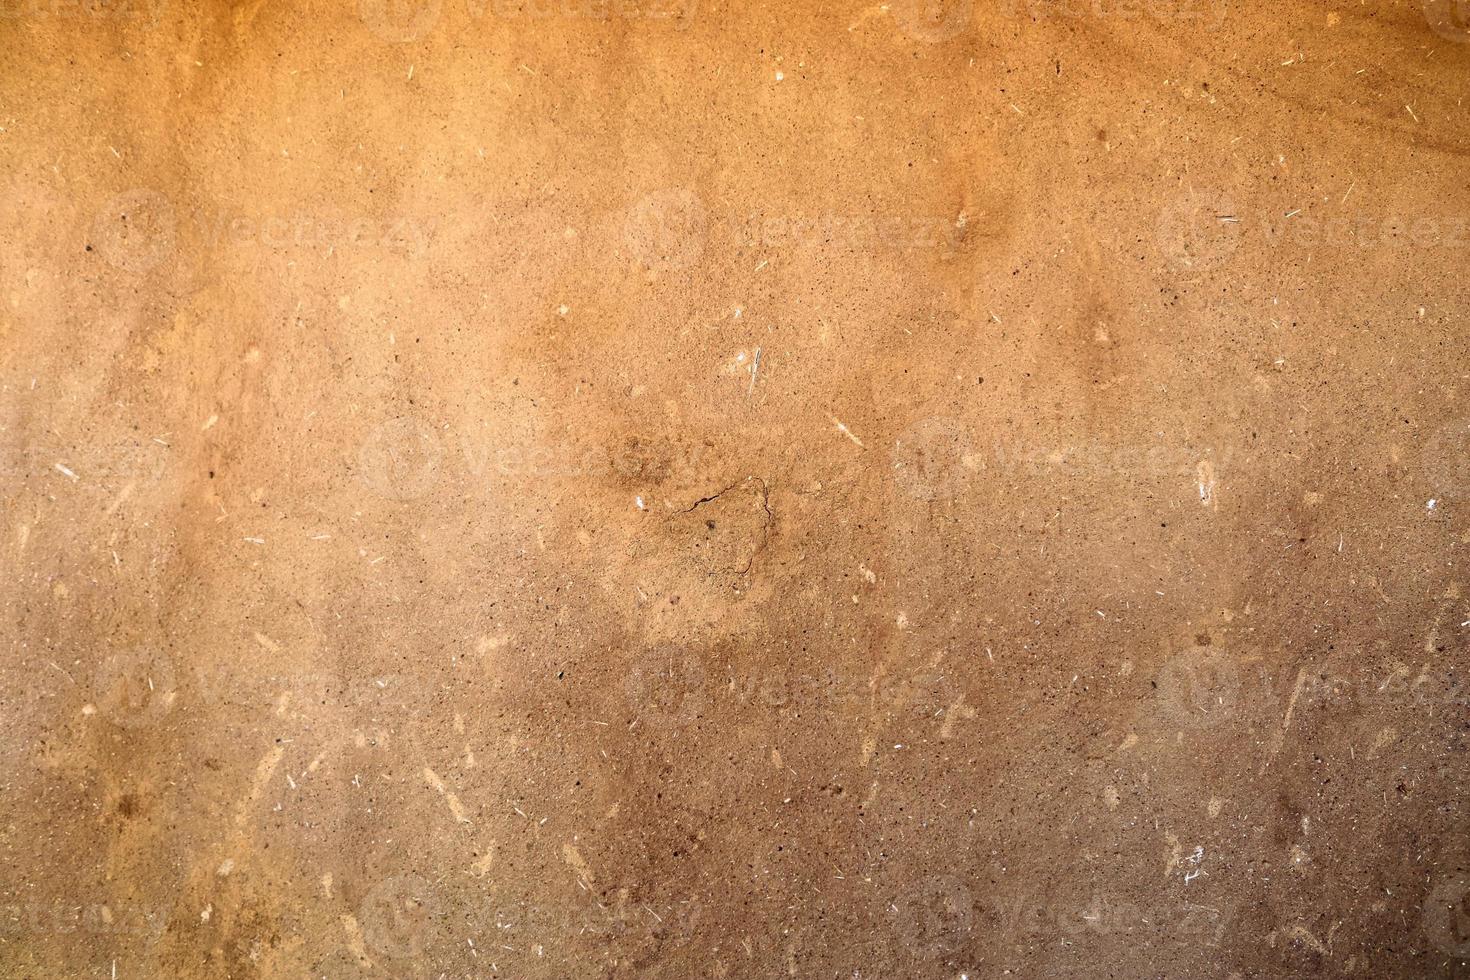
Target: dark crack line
[765, 527]
[717, 496]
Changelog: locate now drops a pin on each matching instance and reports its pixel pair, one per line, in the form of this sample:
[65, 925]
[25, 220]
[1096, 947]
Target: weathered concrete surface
[743, 490]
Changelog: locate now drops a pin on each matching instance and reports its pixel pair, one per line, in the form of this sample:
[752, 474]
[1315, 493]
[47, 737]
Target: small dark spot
[1202, 639]
[127, 806]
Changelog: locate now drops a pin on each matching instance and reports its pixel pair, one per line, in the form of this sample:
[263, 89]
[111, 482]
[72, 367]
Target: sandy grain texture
[676, 488]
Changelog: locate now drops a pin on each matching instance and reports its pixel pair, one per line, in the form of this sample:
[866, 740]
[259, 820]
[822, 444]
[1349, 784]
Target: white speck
[640, 503]
[564, 309]
[1433, 502]
[66, 472]
[256, 540]
[780, 76]
[847, 432]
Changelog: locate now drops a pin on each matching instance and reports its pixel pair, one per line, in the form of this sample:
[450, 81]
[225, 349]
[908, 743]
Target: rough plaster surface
[739, 490]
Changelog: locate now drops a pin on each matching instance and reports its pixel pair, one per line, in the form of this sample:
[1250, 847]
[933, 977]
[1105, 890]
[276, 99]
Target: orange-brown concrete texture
[681, 489]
